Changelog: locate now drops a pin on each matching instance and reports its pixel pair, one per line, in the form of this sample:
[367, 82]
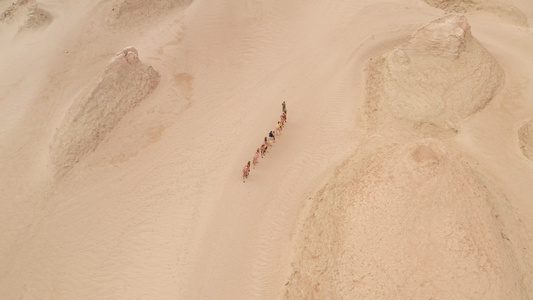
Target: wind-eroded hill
[93, 114]
[413, 219]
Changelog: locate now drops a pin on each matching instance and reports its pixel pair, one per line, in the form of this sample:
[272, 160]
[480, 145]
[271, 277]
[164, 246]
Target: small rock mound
[125, 83]
[27, 15]
[37, 18]
[505, 11]
[412, 221]
[440, 76]
[525, 137]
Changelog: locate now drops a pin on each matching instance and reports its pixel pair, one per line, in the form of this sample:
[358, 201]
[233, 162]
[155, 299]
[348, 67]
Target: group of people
[267, 142]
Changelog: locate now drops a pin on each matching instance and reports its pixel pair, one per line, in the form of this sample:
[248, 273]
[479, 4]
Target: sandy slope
[155, 209]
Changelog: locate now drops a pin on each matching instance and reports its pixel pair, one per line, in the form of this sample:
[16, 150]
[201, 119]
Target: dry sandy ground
[404, 171]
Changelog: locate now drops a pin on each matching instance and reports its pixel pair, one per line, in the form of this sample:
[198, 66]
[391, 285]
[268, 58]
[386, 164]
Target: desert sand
[404, 170]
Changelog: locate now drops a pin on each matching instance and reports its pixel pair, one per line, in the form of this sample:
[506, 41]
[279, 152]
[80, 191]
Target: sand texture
[404, 170]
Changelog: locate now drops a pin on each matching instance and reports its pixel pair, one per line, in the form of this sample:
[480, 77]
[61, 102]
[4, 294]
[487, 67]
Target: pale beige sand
[367, 192]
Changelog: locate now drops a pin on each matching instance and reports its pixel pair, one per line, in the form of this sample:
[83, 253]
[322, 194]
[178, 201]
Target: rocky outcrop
[441, 76]
[26, 15]
[123, 85]
[412, 221]
[505, 11]
[525, 138]
[126, 12]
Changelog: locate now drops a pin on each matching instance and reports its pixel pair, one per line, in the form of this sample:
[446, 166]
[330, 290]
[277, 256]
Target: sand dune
[399, 174]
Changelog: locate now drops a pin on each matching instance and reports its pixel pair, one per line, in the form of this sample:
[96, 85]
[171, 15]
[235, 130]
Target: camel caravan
[267, 143]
